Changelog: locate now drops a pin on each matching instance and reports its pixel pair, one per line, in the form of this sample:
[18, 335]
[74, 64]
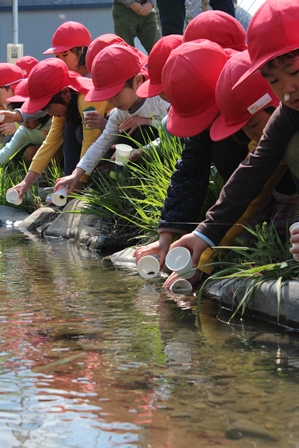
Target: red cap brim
[147, 90]
[193, 125]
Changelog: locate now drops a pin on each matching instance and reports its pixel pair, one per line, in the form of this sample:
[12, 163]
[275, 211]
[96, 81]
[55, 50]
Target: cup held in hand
[60, 196]
[179, 260]
[181, 286]
[122, 154]
[148, 266]
[12, 196]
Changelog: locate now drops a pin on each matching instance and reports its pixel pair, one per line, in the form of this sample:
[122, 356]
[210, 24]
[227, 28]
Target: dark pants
[223, 5]
[72, 144]
[172, 16]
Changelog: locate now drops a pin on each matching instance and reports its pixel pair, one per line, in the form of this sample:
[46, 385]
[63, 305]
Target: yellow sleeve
[49, 146]
[238, 228]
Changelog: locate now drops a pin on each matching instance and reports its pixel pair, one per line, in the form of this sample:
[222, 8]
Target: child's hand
[159, 248]
[132, 123]
[7, 128]
[11, 116]
[95, 120]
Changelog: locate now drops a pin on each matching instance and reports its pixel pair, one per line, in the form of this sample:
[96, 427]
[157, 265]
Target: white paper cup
[60, 196]
[181, 286]
[85, 114]
[148, 266]
[12, 196]
[122, 154]
[179, 260]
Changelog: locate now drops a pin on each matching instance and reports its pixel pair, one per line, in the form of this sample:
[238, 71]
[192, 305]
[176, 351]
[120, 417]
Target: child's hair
[282, 58]
[81, 53]
[130, 82]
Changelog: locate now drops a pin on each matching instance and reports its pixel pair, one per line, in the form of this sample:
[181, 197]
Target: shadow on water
[94, 356]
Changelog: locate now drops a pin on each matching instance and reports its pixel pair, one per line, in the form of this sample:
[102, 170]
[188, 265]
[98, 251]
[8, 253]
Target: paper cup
[122, 154]
[179, 260]
[148, 266]
[85, 113]
[181, 286]
[12, 196]
[60, 197]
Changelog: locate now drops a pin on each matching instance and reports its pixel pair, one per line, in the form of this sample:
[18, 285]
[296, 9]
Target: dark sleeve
[188, 186]
[249, 178]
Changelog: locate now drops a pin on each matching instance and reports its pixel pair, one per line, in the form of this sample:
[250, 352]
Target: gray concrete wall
[36, 27]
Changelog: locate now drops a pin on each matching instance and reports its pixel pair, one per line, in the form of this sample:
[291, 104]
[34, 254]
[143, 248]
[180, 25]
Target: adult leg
[148, 31]
[125, 23]
[223, 5]
[172, 16]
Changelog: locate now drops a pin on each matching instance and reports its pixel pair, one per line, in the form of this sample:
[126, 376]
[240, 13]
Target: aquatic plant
[247, 268]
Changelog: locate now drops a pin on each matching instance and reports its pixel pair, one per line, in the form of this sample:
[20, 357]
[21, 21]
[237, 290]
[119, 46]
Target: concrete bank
[90, 231]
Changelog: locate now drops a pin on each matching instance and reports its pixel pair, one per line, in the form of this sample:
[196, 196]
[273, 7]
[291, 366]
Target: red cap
[189, 79]
[237, 106]
[20, 92]
[47, 79]
[104, 41]
[69, 35]
[112, 67]
[219, 27]
[156, 61]
[26, 63]
[10, 74]
[98, 44]
[272, 31]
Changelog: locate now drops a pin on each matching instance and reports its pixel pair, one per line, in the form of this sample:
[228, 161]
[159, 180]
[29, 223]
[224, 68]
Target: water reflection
[94, 356]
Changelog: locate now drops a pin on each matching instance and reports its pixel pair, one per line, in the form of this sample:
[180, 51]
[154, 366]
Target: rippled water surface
[93, 356]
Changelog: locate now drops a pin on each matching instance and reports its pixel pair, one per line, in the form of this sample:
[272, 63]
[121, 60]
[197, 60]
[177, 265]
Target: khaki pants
[128, 25]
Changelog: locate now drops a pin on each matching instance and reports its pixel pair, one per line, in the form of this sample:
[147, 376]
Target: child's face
[56, 110]
[5, 93]
[126, 99]
[255, 126]
[70, 58]
[283, 77]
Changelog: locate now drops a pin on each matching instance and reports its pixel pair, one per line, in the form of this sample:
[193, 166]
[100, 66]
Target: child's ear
[65, 93]
[138, 80]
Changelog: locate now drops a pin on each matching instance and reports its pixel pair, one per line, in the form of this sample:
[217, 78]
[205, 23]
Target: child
[116, 77]
[219, 27]
[10, 76]
[93, 119]
[61, 93]
[29, 136]
[189, 79]
[69, 43]
[156, 61]
[26, 63]
[278, 60]
[104, 40]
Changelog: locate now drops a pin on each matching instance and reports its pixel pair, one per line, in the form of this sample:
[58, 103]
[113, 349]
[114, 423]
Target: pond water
[93, 356]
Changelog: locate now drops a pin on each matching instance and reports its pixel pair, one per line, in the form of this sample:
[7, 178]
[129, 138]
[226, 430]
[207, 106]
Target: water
[94, 356]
